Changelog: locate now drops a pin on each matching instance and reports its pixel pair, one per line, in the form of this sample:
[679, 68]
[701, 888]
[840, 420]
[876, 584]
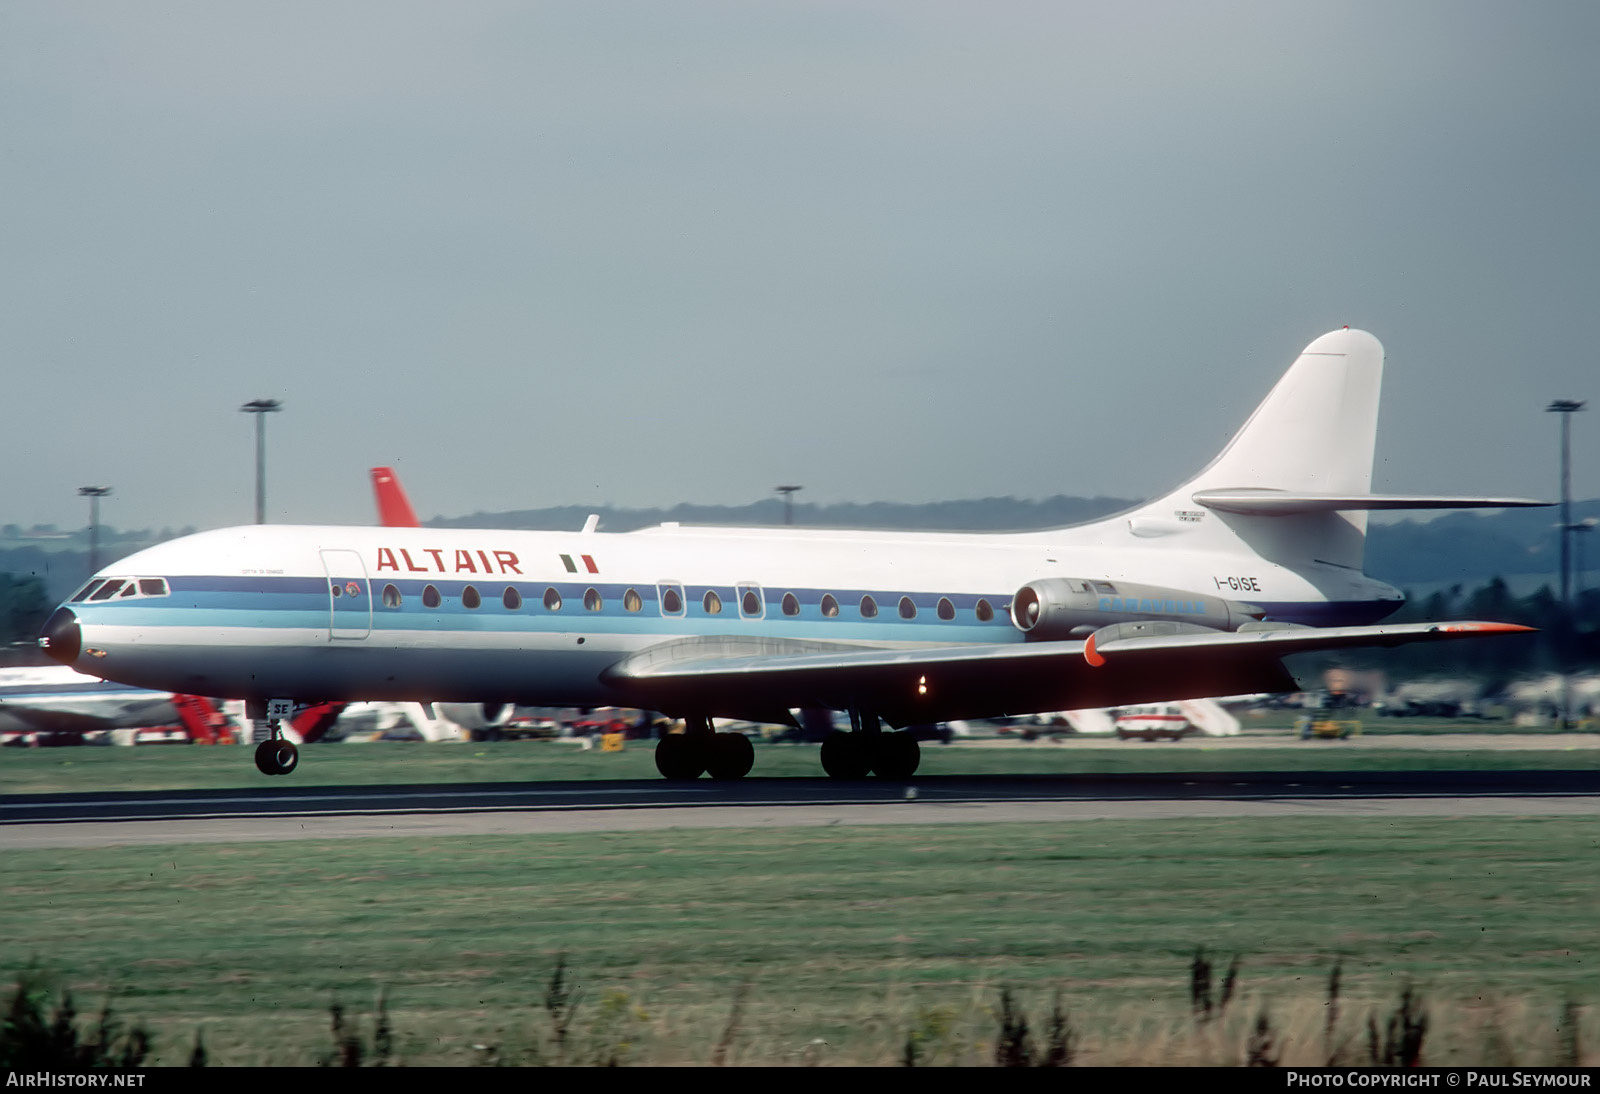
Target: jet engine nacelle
[1066, 607]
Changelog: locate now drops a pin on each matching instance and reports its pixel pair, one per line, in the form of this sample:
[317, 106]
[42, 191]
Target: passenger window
[830, 607]
[87, 589]
[791, 605]
[985, 611]
[511, 598]
[552, 600]
[470, 597]
[338, 590]
[947, 610]
[869, 608]
[592, 601]
[750, 605]
[908, 610]
[632, 601]
[153, 586]
[712, 603]
[108, 590]
[391, 597]
[671, 601]
[430, 597]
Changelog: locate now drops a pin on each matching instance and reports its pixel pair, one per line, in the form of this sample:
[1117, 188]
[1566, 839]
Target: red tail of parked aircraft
[394, 508]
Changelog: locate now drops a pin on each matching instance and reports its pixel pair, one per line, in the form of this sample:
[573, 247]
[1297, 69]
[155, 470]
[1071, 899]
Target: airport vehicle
[1337, 717]
[1152, 722]
[1200, 592]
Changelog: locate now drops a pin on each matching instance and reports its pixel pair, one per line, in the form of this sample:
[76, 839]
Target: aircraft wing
[764, 678]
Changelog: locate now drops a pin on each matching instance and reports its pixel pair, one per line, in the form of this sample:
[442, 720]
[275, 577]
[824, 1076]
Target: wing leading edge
[765, 678]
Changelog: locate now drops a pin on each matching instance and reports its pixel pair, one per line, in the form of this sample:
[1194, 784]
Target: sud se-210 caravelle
[1199, 593]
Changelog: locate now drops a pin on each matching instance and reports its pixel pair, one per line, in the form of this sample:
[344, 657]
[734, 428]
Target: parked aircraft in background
[59, 699]
[1200, 592]
[394, 508]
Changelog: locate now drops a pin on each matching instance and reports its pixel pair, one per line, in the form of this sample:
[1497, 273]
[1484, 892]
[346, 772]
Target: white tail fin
[1313, 435]
[1315, 432]
[1294, 485]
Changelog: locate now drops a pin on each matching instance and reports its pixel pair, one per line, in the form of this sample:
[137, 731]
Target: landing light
[922, 685]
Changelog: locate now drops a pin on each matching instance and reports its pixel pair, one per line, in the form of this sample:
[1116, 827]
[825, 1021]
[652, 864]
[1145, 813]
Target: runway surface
[279, 812]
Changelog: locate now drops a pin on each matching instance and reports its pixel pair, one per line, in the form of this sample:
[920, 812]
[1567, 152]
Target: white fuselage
[358, 613]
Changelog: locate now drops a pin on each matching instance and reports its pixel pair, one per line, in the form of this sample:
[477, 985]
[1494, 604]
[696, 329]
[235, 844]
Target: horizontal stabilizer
[1281, 503]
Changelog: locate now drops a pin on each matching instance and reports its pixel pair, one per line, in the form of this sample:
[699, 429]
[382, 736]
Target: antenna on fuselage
[592, 523]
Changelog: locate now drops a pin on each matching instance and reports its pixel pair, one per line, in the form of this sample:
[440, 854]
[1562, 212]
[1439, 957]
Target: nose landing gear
[275, 755]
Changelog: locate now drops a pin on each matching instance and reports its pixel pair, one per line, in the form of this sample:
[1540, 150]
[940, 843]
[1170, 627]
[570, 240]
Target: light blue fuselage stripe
[304, 602]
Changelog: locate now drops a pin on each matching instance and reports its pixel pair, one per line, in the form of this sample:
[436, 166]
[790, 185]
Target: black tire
[844, 756]
[288, 757]
[266, 763]
[680, 758]
[895, 756]
[277, 757]
[731, 756]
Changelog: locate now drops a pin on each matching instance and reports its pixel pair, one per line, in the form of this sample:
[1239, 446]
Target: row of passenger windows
[750, 603]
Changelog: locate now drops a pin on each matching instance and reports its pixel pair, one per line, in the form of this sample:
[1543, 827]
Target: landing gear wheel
[277, 757]
[895, 756]
[844, 756]
[680, 757]
[730, 756]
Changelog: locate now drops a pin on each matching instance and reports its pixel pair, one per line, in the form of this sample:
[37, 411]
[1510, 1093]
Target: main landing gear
[868, 750]
[701, 750]
[275, 755]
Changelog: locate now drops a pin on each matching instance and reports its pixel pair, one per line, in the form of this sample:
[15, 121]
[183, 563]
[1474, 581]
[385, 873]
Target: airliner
[54, 698]
[1200, 592]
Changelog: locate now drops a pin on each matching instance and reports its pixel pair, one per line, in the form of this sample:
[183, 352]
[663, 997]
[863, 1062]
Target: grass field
[79, 770]
[838, 944]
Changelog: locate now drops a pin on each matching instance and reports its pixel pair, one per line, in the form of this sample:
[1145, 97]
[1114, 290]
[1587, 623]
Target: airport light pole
[94, 494]
[788, 501]
[261, 408]
[1566, 408]
[1582, 528]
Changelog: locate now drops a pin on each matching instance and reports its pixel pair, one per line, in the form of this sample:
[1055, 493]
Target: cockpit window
[153, 586]
[87, 589]
[108, 590]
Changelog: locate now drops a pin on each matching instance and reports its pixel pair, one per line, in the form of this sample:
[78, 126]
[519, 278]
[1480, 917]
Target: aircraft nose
[61, 639]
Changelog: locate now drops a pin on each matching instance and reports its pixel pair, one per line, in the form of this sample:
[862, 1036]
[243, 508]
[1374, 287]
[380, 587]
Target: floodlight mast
[94, 494]
[788, 501]
[1566, 408]
[260, 408]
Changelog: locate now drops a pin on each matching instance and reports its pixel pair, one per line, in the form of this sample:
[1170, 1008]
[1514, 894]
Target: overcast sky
[645, 253]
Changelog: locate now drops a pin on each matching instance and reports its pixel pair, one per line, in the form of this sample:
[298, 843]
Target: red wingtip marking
[1091, 655]
[394, 510]
[1487, 628]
